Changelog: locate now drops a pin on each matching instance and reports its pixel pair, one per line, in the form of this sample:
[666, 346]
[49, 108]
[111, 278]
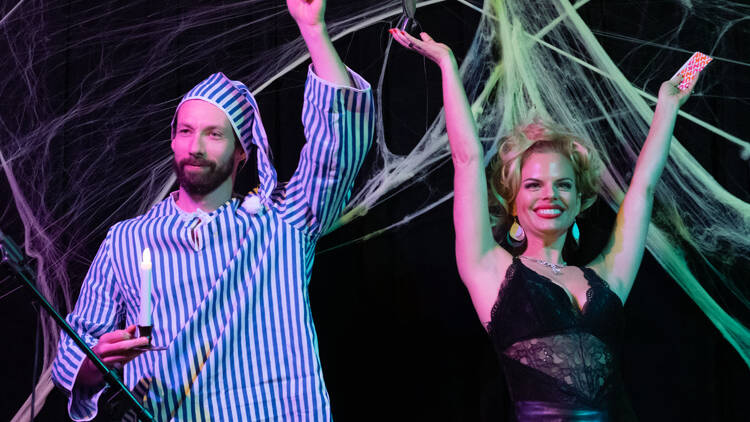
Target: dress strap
[593, 278]
[510, 275]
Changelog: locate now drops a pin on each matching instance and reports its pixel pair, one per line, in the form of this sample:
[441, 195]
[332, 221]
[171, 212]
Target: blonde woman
[557, 329]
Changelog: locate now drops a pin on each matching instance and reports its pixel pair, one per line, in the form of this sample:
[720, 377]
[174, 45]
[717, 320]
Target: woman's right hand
[435, 51]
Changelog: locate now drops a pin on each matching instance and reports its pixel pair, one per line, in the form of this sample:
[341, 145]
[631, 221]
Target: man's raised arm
[338, 118]
[309, 15]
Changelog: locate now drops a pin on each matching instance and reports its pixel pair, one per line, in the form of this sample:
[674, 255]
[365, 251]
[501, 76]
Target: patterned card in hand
[692, 67]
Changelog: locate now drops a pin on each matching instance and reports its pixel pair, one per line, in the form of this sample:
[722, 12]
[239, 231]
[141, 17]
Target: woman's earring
[515, 235]
[576, 233]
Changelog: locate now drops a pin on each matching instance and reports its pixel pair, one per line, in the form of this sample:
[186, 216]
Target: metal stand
[10, 254]
[407, 22]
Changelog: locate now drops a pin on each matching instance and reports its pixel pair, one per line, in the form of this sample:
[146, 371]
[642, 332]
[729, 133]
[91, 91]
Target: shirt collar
[203, 216]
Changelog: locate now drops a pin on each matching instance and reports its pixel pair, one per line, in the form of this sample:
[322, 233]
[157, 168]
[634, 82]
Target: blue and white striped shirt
[230, 295]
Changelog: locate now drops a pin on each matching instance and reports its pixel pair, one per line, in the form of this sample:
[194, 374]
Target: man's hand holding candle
[115, 349]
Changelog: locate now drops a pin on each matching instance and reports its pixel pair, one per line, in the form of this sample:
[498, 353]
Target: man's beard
[205, 182]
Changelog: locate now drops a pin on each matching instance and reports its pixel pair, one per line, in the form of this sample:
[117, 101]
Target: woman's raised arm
[477, 254]
[621, 257]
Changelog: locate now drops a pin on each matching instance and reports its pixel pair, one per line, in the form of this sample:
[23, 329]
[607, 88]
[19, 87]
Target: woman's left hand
[670, 94]
[307, 12]
[433, 50]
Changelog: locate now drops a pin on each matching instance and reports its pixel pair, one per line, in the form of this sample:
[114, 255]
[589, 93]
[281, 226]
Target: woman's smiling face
[548, 201]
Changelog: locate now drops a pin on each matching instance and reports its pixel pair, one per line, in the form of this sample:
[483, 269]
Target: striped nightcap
[236, 101]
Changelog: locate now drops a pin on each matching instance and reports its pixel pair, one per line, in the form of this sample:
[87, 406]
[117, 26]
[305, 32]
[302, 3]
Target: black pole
[12, 256]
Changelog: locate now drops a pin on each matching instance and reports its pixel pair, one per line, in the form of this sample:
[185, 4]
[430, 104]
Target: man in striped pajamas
[230, 276]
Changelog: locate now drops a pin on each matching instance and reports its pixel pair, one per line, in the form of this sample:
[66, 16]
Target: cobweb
[76, 157]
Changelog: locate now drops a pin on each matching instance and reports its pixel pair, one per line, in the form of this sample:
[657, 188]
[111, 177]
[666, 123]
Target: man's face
[204, 145]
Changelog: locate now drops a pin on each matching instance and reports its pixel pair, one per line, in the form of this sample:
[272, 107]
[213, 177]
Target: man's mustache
[193, 161]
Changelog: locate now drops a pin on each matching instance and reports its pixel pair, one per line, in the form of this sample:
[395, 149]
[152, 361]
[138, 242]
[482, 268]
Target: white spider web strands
[74, 168]
[712, 234]
[683, 230]
[553, 69]
[81, 150]
[615, 118]
[100, 112]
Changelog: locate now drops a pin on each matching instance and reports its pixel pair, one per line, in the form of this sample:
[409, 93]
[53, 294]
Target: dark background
[398, 337]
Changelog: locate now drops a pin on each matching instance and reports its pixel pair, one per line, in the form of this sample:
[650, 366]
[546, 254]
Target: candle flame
[146, 261]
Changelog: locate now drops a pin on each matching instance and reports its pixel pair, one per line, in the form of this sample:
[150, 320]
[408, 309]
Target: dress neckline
[572, 300]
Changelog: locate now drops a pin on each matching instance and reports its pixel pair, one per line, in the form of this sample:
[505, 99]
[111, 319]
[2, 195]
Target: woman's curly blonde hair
[505, 171]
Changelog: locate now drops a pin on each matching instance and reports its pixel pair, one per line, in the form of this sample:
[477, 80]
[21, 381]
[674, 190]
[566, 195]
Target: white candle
[144, 316]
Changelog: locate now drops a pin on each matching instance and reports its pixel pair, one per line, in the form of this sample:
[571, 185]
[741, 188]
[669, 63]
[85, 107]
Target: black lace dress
[560, 363]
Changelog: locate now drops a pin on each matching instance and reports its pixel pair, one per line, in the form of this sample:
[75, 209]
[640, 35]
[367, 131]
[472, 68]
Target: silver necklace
[556, 269]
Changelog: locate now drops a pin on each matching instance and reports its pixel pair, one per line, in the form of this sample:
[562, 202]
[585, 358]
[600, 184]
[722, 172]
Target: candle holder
[145, 331]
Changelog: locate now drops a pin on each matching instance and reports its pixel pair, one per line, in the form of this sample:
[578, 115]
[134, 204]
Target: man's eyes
[213, 134]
